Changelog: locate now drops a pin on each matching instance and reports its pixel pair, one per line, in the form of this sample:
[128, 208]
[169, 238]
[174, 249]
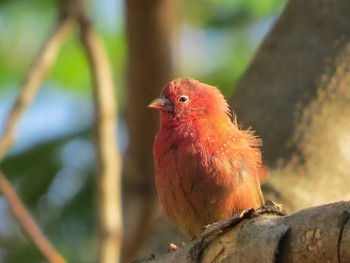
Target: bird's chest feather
[194, 174]
[193, 158]
[204, 175]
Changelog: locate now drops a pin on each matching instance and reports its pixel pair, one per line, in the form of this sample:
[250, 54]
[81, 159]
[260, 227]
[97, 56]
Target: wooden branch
[36, 74]
[27, 222]
[318, 234]
[109, 160]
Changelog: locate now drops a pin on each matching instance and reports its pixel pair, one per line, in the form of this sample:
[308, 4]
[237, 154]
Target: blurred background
[52, 163]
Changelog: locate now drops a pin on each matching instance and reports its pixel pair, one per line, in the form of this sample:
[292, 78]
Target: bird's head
[189, 99]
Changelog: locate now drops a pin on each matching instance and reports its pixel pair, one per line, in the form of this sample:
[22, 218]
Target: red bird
[206, 168]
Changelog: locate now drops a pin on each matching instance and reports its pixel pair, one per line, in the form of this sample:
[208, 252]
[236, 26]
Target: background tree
[295, 94]
[150, 25]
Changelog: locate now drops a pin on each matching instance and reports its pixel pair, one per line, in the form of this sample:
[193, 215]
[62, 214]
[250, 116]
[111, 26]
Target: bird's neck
[194, 129]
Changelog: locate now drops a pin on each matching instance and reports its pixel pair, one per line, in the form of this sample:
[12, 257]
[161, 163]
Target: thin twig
[109, 167]
[27, 222]
[37, 72]
[40, 67]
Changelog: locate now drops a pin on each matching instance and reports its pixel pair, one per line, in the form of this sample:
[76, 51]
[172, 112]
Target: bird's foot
[218, 227]
[173, 246]
[270, 207]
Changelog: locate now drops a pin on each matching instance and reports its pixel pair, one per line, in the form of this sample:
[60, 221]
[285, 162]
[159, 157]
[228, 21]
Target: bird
[206, 168]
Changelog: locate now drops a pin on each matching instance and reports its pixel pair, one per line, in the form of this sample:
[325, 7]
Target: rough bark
[318, 234]
[295, 95]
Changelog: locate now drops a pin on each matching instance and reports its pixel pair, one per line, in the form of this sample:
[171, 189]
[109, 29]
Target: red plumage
[206, 168]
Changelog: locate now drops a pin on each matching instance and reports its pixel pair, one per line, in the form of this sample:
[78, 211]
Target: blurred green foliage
[70, 225]
[234, 26]
[229, 13]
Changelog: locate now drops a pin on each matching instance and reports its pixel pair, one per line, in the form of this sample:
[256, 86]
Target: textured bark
[295, 95]
[318, 234]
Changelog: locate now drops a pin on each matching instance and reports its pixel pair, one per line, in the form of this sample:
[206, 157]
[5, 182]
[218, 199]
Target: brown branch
[109, 166]
[27, 222]
[317, 234]
[37, 72]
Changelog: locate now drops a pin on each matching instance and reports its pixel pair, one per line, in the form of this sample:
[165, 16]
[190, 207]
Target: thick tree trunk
[296, 95]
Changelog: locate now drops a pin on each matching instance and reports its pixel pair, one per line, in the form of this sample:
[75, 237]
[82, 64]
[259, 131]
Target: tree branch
[109, 166]
[27, 222]
[318, 234]
[36, 74]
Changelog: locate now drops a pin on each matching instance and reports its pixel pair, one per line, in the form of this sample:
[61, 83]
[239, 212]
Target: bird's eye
[183, 99]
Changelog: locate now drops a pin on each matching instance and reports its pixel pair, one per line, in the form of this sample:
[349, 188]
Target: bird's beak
[161, 103]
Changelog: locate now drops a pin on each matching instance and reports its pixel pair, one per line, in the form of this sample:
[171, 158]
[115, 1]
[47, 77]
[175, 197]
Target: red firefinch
[206, 168]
